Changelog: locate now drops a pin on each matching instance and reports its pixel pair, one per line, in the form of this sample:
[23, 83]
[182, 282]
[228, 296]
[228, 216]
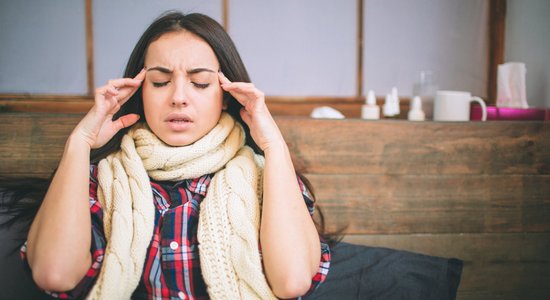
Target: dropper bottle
[416, 113]
[370, 111]
[396, 106]
[388, 108]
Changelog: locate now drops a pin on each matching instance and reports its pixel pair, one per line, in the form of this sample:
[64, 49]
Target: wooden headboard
[476, 191]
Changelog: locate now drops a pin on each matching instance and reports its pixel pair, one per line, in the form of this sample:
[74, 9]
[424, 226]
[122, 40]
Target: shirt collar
[199, 185]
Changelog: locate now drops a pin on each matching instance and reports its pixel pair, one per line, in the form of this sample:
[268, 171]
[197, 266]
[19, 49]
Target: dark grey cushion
[361, 272]
[15, 281]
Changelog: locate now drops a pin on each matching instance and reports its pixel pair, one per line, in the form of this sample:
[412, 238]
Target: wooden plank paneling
[377, 204]
[88, 16]
[359, 48]
[470, 247]
[352, 146]
[31, 144]
[497, 37]
[408, 201]
[505, 280]
[401, 147]
[303, 108]
[44, 105]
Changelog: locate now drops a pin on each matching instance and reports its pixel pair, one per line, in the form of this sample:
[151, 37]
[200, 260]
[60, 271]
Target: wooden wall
[476, 191]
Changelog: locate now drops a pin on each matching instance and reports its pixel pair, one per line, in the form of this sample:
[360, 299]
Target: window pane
[43, 47]
[404, 37]
[297, 48]
[528, 41]
[119, 24]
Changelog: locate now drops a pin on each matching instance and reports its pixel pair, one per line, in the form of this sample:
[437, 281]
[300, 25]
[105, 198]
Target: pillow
[15, 281]
[362, 272]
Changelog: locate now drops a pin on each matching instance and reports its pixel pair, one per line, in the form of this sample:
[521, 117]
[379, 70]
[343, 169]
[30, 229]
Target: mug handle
[483, 107]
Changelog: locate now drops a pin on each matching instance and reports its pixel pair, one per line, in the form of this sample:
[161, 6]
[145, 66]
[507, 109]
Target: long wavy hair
[231, 65]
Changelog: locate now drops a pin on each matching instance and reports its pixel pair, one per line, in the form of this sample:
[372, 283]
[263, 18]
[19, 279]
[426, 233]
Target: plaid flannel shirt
[172, 268]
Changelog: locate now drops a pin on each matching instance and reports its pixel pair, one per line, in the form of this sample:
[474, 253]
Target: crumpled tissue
[511, 85]
[326, 112]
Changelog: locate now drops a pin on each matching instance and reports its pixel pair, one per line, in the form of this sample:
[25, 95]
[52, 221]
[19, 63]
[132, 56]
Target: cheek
[217, 96]
[150, 107]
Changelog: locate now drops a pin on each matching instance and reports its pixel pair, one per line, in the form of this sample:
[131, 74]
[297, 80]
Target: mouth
[179, 121]
[178, 118]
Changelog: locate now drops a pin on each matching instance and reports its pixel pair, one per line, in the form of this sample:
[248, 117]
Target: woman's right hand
[98, 127]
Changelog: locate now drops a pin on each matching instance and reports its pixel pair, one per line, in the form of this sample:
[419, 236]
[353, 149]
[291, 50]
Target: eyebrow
[190, 71]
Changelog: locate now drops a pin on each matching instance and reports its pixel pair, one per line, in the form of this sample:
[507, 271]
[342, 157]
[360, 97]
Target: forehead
[180, 49]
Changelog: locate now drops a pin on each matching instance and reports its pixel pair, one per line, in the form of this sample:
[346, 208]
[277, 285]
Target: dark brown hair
[231, 65]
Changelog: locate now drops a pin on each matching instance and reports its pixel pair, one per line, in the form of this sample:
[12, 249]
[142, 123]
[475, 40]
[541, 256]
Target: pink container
[506, 113]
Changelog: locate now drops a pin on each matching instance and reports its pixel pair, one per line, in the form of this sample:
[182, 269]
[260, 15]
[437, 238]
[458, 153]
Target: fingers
[141, 75]
[244, 92]
[243, 87]
[121, 83]
[118, 91]
[136, 82]
[223, 79]
[107, 90]
[114, 86]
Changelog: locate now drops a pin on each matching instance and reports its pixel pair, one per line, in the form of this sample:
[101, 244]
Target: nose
[179, 96]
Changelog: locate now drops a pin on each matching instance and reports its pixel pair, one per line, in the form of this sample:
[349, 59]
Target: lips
[178, 121]
[178, 118]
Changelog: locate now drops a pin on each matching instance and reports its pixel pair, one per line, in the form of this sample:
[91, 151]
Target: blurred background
[298, 52]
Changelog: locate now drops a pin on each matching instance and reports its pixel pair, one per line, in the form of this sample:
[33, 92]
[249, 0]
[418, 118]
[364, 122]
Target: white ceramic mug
[455, 106]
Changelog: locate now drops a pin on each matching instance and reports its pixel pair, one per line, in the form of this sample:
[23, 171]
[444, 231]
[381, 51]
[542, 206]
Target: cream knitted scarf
[229, 219]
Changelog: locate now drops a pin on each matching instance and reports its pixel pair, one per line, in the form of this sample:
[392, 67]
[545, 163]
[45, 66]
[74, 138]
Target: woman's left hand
[254, 113]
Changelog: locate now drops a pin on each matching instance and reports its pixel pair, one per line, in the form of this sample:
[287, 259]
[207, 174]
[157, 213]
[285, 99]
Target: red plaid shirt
[172, 267]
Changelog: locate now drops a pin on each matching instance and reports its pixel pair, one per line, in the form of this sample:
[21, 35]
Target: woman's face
[182, 97]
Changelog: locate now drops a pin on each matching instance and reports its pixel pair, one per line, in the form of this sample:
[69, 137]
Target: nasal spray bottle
[370, 111]
[416, 113]
[396, 106]
[391, 105]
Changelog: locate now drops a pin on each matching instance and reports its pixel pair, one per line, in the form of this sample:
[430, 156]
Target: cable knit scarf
[229, 218]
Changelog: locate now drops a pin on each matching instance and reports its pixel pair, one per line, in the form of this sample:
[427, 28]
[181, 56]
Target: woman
[186, 181]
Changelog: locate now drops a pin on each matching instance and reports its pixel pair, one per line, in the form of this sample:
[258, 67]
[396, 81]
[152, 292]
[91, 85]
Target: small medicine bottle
[369, 110]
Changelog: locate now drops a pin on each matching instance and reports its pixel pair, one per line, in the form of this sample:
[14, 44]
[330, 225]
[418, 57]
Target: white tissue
[511, 85]
[326, 112]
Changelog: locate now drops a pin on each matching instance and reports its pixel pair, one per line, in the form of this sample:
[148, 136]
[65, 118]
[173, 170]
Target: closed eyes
[201, 85]
[160, 84]
[196, 84]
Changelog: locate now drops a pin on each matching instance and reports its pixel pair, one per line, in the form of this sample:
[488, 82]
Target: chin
[175, 141]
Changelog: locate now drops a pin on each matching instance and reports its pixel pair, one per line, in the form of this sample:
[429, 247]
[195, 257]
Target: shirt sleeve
[324, 264]
[97, 248]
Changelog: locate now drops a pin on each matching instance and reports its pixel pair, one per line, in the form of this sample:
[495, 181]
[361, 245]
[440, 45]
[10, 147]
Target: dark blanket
[361, 272]
[15, 281]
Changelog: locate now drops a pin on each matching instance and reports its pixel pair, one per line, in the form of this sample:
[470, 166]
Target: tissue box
[508, 113]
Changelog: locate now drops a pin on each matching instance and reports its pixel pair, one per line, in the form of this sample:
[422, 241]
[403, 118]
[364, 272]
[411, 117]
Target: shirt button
[181, 295]
[174, 245]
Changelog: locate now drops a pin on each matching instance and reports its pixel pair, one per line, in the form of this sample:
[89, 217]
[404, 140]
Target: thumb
[125, 121]
[245, 116]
